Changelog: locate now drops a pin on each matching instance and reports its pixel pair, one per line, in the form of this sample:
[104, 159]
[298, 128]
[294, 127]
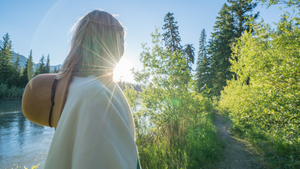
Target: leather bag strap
[52, 99]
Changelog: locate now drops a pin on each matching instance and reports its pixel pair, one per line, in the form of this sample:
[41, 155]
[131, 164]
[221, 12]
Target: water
[22, 143]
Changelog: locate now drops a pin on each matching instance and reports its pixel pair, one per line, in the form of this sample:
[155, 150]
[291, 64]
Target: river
[22, 143]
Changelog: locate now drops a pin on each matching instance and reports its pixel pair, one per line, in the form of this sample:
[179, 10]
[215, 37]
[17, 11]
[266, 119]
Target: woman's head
[97, 45]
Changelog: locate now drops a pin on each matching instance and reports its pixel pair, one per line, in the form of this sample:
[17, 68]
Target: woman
[96, 128]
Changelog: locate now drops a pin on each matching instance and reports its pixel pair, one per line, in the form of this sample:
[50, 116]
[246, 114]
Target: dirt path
[237, 154]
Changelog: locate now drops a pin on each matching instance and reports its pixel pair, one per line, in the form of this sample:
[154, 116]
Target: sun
[122, 71]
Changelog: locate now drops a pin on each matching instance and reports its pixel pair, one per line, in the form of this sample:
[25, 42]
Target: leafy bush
[263, 102]
[10, 93]
[173, 124]
[3, 90]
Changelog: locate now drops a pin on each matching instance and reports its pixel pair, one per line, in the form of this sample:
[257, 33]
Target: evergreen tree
[5, 56]
[29, 66]
[202, 69]
[189, 55]
[202, 46]
[240, 10]
[171, 36]
[15, 76]
[17, 63]
[42, 67]
[230, 24]
[48, 64]
[24, 76]
[204, 80]
[220, 50]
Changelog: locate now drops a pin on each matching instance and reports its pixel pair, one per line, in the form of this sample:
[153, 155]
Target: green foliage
[17, 63]
[56, 70]
[203, 62]
[5, 56]
[263, 102]
[289, 3]
[29, 66]
[47, 67]
[173, 123]
[171, 36]
[240, 10]
[41, 66]
[219, 50]
[213, 67]
[12, 75]
[3, 90]
[10, 93]
[131, 96]
[189, 54]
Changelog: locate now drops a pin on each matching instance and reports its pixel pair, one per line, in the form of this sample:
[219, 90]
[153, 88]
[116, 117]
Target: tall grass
[183, 138]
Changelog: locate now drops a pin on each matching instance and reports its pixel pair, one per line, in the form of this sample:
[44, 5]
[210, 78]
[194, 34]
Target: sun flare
[122, 71]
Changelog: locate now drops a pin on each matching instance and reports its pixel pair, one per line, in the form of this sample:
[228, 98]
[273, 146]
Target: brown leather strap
[52, 99]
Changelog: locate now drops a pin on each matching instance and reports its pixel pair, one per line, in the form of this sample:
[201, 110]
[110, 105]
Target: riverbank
[11, 99]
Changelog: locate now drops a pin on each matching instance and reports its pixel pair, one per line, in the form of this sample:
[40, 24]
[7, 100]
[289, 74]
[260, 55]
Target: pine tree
[220, 50]
[202, 46]
[230, 24]
[24, 76]
[240, 10]
[15, 77]
[189, 54]
[42, 67]
[202, 69]
[29, 66]
[5, 56]
[171, 36]
[48, 64]
[17, 63]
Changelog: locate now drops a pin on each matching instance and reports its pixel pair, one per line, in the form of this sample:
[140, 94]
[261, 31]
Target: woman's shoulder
[93, 86]
[91, 91]
[86, 85]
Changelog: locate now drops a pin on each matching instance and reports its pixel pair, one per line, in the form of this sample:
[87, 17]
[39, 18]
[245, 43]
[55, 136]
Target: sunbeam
[122, 71]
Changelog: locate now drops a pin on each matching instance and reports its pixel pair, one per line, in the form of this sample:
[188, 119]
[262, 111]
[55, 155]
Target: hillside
[23, 61]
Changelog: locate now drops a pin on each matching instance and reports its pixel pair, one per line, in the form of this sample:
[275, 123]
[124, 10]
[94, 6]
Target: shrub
[174, 123]
[263, 102]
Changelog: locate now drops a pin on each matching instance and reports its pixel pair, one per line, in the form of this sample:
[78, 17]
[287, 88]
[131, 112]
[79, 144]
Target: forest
[13, 77]
[247, 70]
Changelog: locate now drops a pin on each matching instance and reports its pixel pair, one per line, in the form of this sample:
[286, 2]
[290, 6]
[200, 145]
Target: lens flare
[122, 70]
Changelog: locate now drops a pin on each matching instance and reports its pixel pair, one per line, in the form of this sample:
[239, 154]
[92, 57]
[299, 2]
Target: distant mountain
[23, 61]
[57, 67]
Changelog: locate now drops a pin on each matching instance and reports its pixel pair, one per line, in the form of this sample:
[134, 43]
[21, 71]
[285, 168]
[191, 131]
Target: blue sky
[44, 26]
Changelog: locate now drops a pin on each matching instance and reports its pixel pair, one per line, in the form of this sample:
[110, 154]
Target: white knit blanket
[96, 128]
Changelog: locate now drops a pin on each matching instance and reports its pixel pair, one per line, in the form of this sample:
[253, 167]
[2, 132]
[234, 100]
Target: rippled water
[22, 143]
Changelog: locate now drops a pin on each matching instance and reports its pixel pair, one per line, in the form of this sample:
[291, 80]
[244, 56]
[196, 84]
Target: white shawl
[95, 130]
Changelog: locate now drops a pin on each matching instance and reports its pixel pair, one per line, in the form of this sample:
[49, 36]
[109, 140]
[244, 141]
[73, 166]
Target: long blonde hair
[97, 45]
